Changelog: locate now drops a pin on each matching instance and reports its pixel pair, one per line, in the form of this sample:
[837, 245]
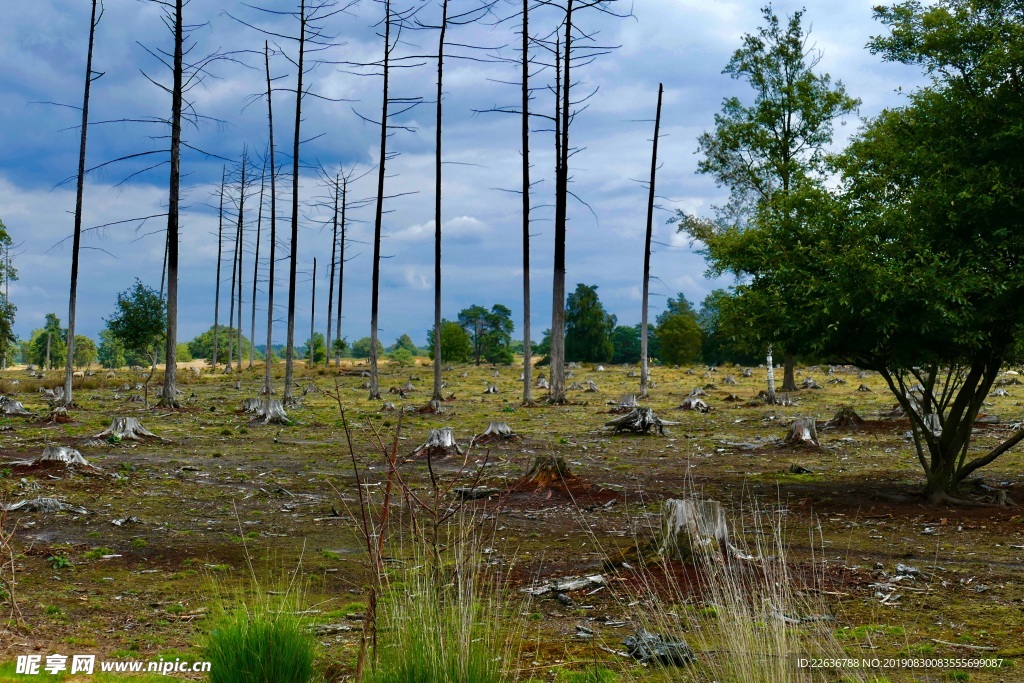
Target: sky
[683, 44]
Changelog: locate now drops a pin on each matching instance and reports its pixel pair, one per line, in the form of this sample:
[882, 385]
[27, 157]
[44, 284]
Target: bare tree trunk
[294, 262]
[236, 262]
[268, 388]
[310, 360]
[334, 255]
[170, 390]
[437, 208]
[771, 376]
[241, 257]
[644, 374]
[557, 394]
[220, 246]
[256, 268]
[341, 266]
[788, 373]
[527, 360]
[69, 369]
[379, 215]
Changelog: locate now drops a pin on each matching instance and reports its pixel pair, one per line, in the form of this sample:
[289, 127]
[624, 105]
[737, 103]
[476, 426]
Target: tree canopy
[140, 320]
[456, 345]
[490, 333]
[588, 327]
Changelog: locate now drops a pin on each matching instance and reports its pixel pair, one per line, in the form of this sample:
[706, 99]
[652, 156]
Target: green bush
[260, 647]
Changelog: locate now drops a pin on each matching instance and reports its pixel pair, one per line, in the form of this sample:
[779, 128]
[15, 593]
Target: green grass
[260, 646]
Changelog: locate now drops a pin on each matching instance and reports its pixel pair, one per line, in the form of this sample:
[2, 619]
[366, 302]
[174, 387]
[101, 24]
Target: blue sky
[682, 43]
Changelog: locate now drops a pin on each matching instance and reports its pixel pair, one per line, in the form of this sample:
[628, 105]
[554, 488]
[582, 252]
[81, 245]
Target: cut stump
[496, 431]
[846, 417]
[126, 428]
[639, 421]
[440, 443]
[803, 432]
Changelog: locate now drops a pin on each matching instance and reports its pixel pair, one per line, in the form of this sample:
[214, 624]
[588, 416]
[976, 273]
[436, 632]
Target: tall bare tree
[256, 266]
[525, 120]
[644, 374]
[216, 287]
[90, 76]
[236, 262]
[268, 387]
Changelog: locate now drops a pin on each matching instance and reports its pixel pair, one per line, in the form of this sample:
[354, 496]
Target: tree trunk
[216, 289]
[562, 79]
[527, 360]
[170, 398]
[126, 427]
[341, 267]
[256, 268]
[293, 261]
[644, 373]
[437, 206]
[691, 528]
[69, 369]
[241, 255]
[803, 432]
[236, 262]
[310, 360]
[334, 255]
[771, 376]
[268, 388]
[788, 373]
[379, 215]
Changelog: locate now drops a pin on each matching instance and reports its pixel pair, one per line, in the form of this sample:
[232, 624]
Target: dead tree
[251, 405]
[256, 269]
[236, 269]
[443, 28]
[547, 470]
[803, 432]
[336, 197]
[268, 387]
[644, 373]
[525, 119]
[694, 403]
[271, 412]
[626, 404]
[126, 428]
[90, 76]
[216, 287]
[496, 431]
[310, 358]
[62, 454]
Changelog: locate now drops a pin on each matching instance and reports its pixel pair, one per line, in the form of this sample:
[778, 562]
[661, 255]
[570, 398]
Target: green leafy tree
[721, 325]
[490, 332]
[183, 354]
[767, 150]
[340, 347]
[679, 338]
[140, 321]
[361, 348]
[85, 351]
[404, 342]
[319, 348]
[626, 342]
[588, 327]
[456, 344]
[111, 351]
[402, 357]
[912, 268]
[57, 338]
[202, 346]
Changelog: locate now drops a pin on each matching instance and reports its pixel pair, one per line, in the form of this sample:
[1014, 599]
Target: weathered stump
[251, 405]
[803, 432]
[695, 403]
[729, 379]
[863, 387]
[697, 391]
[599, 368]
[388, 407]
[62, 454]
[747, 372]
[126, 428]
[809, 383]
[434, 407]
[690, 527]
[846, 417]
[440, 443]
[639, 421]
[496, 431]
[271, 412]
[491, 389]
[575, 386]
[626, 404]
[547, 470]
[542, 383]
[591, 386]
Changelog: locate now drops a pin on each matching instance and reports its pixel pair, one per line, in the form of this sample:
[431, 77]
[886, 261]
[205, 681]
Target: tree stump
[809, 383]
[747, 372]
[591, 387]
[491, 389]
[695, 403]
[496, 431]
[626, 404]
[62, 454]
[251, 405]
[639, 421]
[697, 391]
[126, 428]
[440, 443]
[575, 386]
[542, 383]
[8, 406]
[863, 387]
[58, 415]
[803, 432]
[729, 379]
[547, 470]
[599, 368]
[408, 386]
[846, 417]
[271, 412]
[388, 407]
[433, 407]
[690, 527]
[1000, 392]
